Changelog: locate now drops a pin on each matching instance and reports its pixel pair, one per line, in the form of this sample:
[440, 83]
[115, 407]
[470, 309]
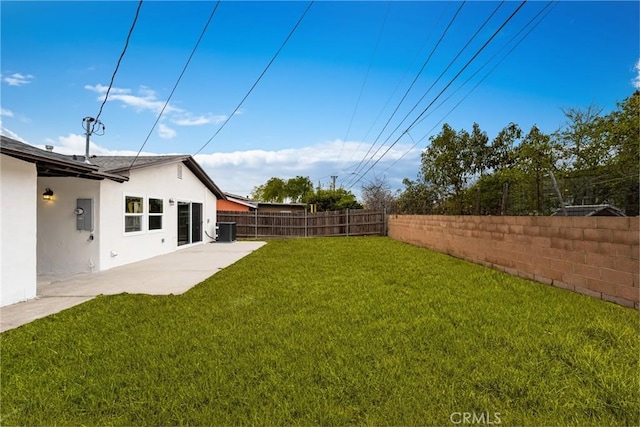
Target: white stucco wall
[61, 247]
[17, 230]
[161, 182]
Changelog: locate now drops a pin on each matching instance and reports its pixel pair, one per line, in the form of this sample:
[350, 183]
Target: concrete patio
[173, 273]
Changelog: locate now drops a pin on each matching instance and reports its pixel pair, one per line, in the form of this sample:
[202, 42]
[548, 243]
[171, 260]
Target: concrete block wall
[596, 256]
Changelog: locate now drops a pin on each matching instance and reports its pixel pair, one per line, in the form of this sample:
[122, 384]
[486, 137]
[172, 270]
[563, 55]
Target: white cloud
[17, 79]
[9, 133]
[6, 113]
[76, 144]
[165, 131]
[146, 100]
[238, 172]
[636, 80]
[189, 120]
[103, 89]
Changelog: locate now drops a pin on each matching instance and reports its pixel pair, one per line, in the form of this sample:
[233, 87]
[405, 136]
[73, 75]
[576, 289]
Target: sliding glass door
[189, 223]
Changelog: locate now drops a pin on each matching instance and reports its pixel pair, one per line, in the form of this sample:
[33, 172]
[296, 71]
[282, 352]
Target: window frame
[150, 214]
[127, 214]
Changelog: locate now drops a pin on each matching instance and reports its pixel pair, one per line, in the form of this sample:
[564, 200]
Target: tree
[620, 130]
[500, 160]
[578, 138]
[295, 190]
[377, 195]
[601, 156]
[417, 198]
[447, 164]
[334, 200]
[501, 155]
[298, 189]
[272, 191]
[479, 153]
[536, 156]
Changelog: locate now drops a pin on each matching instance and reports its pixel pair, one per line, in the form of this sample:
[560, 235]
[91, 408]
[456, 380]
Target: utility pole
[333, 182]
[89, 124]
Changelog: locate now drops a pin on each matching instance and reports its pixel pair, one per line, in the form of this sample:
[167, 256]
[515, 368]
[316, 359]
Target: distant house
[267, 207]
[63, 215]
[589, 210]
[235, 203]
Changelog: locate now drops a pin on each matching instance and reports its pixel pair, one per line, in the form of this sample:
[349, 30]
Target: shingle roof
[590, 210]
[115, 168]
[116, 164]
[54, 164]
[241, 200]
[121, 165]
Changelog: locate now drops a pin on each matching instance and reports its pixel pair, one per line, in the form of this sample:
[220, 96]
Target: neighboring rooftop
[590, 210]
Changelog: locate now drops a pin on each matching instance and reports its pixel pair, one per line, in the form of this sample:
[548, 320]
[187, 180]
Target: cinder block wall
[596, 256]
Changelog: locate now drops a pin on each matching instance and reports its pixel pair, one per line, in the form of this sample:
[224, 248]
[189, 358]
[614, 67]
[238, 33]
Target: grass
[337, 331]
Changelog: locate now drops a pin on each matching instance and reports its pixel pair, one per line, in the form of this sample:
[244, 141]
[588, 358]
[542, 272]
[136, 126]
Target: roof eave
[197, 170]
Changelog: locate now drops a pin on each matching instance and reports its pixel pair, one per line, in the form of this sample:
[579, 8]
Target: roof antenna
[89, 126]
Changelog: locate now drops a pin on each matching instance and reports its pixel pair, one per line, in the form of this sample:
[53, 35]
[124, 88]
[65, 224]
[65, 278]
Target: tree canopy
[300, 190]
[294, 190]
[594, 158]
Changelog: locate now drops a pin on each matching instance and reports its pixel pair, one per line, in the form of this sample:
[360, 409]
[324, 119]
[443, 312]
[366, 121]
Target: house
[589, 210]
[61, 214]
[269, 207]
[235, 203]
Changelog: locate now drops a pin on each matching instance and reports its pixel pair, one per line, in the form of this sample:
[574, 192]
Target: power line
[427, 37]
[184, 69]
[395, 90]
[486, 21]
[443, 90]
[424, 65]
[366, 77]
[113, 76]
[481, 80]
[293, 30]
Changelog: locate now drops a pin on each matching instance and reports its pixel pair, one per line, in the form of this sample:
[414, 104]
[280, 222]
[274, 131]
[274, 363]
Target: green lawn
[330, 331]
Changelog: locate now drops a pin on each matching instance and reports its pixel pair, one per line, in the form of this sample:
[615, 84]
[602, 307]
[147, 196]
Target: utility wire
[443, 90]
[495, 55]
[395, 90]
[424, 65]
[113, 76]
[193, 51]
[427, 37]
[481, 80]
[293, 30]
[486, 21]
[366, 77]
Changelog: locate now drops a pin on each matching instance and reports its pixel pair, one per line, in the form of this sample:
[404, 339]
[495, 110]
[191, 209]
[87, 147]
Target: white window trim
[125, 214]
[162, 215]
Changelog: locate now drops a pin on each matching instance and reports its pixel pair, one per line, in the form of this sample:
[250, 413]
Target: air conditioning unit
[226, 232]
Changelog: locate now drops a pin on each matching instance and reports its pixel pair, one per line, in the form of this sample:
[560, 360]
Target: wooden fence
[335, 223]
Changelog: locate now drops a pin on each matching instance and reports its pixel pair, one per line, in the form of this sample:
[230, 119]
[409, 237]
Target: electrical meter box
[84, 214]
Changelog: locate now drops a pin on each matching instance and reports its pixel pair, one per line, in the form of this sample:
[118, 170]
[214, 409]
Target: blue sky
[321, 107]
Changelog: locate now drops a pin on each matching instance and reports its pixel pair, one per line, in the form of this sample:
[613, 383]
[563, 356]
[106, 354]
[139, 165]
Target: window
[133, 207]
[155, 214]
